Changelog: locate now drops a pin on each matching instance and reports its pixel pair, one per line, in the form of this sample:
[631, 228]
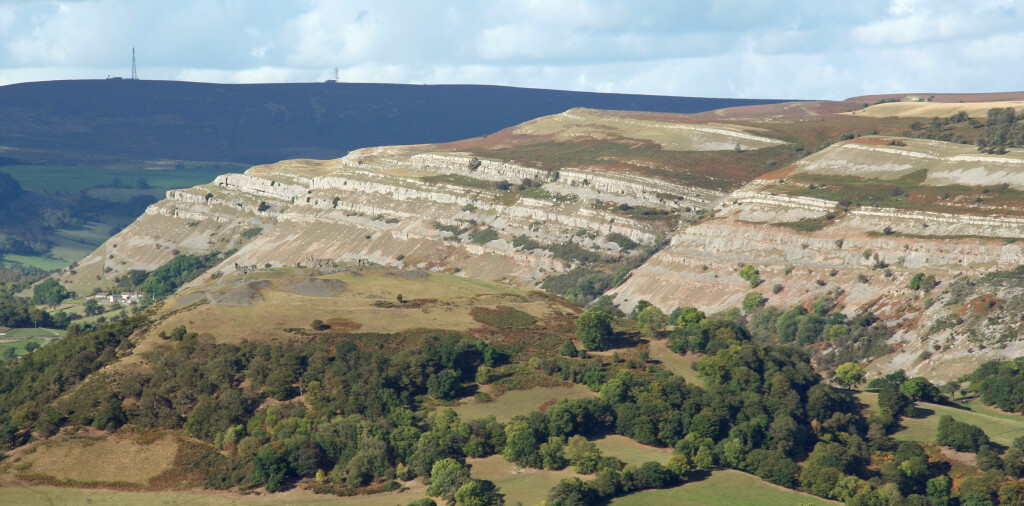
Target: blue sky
[727, 48]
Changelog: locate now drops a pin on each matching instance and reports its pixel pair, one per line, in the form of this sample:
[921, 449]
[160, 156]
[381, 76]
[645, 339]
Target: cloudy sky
[726, 48]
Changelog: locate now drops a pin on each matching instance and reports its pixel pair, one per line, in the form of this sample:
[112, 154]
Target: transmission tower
[336, 75]
[135, 75]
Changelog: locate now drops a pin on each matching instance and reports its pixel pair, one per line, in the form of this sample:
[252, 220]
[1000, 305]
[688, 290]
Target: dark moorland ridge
[110, 121]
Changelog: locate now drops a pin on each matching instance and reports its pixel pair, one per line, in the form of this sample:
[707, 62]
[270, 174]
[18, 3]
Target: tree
[752, 302]
[570, 492]
[568, 349]
[318, 325]
[960, 436]
[444, 385]
[593, 329]
[521, 444]
[479, 493]
[1011, 492]
[704, 460]
[849, 374]
[552, 453]
[920, 389]
[49, 292]
[93, 307]
[915, 282]
[584, 455]
[751, 274]
[446, 478]
[690, 315]
[892, 400]
[270, 468]
[650, 321]
[938, 489]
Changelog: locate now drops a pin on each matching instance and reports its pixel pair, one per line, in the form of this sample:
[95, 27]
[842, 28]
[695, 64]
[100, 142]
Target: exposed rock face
[445, 209]
[397, 207]
[864, 254]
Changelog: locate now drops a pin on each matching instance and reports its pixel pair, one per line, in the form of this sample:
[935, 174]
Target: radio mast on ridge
[135, 75]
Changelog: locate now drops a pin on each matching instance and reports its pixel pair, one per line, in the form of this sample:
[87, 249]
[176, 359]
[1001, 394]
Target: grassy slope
[452, 299]
[722, 487]
[21, 494]
[520, 402]
[526, 486]
[1002, 428]
[111, 458]
[631, 452]
[681, 365]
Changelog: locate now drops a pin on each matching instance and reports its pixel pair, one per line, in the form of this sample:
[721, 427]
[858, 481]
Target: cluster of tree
[29, 386]
[168, 277]
[1003, 129]
[944, 129]
[50, 293]
[19, 312]
[361, 423]
[1000, 383]
[960, 436]
[596, 273]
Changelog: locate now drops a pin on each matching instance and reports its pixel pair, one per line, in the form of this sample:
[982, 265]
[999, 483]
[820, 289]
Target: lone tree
[752, 302]
[751, 274]
[593, 329]
[690, 315]
[49, 292]
[650, 321]
[849, 374]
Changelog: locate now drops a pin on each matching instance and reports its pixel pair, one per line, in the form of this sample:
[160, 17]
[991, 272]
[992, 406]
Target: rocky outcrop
[398, 207]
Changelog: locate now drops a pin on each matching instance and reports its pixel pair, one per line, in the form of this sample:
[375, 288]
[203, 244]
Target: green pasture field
[25, 336]
[519, 402]
[675, 363]
[1001, 427]
[631, 452]
[34, 332]
[722, 487]
[525, 486]
[19, 346]
[46, 264]
[54, 178]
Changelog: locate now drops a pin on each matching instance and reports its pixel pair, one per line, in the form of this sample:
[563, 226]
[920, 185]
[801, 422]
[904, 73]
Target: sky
[808, 49]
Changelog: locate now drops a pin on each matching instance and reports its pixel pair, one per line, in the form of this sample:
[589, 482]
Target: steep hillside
[669, 209]
[502, 207]
[854, 223]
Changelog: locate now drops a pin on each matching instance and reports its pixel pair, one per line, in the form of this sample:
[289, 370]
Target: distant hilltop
[117, 121]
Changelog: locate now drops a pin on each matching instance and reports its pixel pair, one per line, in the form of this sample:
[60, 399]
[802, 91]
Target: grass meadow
[722, 487]
[1001, 427]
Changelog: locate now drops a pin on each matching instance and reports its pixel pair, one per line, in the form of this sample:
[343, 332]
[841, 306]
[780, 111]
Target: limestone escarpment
[395, 206]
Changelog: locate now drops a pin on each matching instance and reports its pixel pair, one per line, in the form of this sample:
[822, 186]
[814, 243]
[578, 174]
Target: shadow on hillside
[624, 340]
[692, 477]
[920, 413]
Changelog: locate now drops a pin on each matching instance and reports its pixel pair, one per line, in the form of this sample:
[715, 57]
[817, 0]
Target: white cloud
[799, 48]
